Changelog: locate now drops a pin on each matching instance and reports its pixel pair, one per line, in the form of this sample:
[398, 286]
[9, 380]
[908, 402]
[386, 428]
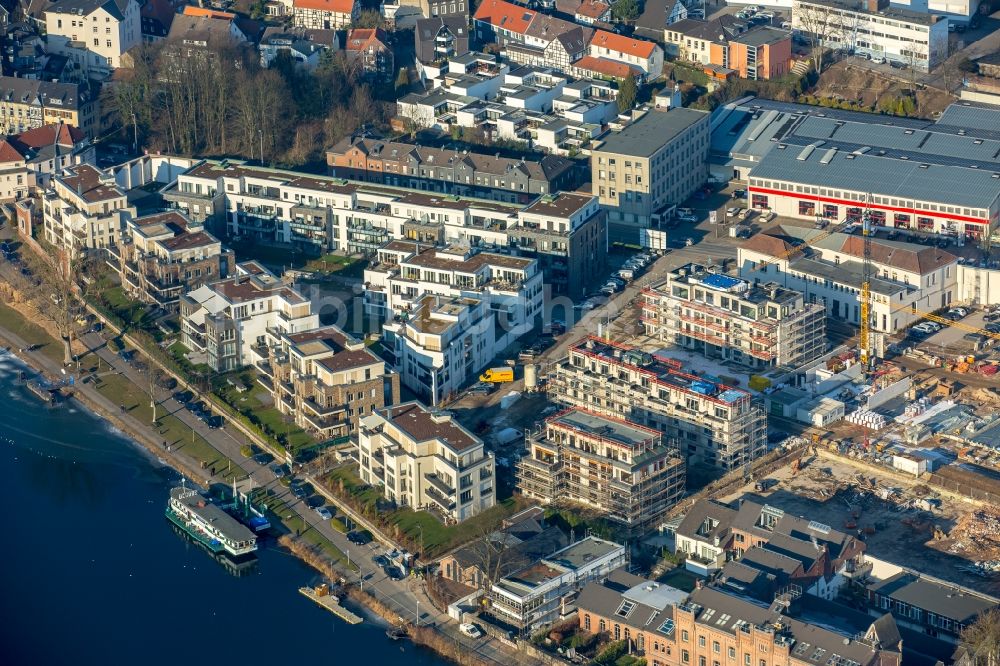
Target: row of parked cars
[628, 272]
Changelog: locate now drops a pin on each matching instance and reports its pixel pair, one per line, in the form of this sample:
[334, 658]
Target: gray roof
[116, 8]
[615, 430]
[583, 552]
[718, 29]
[212, 514]
[762, 35]
[772, 561]
[645, 136]
[741, 609]
[971, 118]
[950, 601]
[694, 523]
[906, 179]
[47, 93]
[607, 598]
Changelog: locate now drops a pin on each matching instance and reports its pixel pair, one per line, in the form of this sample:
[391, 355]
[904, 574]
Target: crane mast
[865, 343]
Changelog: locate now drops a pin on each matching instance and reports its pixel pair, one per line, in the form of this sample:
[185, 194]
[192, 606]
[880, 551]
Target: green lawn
[295, 524]
[437, 537]
[338, 264]
[689, 74]
[32, 333]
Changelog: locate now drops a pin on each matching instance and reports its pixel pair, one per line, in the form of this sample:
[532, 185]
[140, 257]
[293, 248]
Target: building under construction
[621, 469]
[703, 419]
[728, 318]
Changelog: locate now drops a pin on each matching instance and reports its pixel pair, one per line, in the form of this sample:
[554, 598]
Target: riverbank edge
[294, 545]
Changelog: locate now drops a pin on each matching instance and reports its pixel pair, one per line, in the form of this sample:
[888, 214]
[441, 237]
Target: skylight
[667, 627]
[625, 608]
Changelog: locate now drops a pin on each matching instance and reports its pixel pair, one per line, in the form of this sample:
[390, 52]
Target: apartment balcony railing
[439, 499]
[439, 483]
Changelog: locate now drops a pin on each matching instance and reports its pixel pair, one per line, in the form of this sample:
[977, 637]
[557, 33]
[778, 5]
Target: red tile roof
[622, 44]
[359, 39]
[9, 153]
[336, 6]
[612, 68]
[505, 15]
[191, 10]
[592, 9]
[40, 137]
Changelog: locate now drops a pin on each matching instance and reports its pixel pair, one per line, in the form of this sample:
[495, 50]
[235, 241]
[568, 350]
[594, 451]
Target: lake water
[93, 573]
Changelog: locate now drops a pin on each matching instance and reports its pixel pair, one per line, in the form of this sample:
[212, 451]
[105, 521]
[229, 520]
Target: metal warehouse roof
[906, 179]
[916, 144]
[973, 119]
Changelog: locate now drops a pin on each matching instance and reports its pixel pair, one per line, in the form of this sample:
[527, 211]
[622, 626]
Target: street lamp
[418, 613]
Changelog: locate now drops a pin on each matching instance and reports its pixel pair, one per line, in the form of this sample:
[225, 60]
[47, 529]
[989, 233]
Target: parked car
[380, 560]
[278, 471]
[481, 388]
[394, 573]
[958, 313]
[359, 538]
[299, 491]
[739, 194]
[263, 458]
[470, 630]
[323, 512]
[687, 218]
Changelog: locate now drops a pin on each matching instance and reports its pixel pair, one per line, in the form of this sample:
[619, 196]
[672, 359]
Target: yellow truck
[497, 375]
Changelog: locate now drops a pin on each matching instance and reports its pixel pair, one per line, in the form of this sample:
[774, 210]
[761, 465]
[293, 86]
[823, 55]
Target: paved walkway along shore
[407, 597]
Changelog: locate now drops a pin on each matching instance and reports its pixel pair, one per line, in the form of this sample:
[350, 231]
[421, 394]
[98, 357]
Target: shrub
[246, 451]
[610, 653]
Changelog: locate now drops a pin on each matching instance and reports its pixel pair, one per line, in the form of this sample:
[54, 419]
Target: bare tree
[982, 639]
[492, 549]
[822, 25]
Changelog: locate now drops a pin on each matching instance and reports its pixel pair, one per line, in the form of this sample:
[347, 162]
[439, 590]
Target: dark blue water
[92, 573]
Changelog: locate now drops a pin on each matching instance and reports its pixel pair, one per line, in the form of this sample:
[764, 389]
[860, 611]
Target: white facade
[647, 56]
[424, 459]
[84, 209]
[229, 318]
[898, 35]
[960, 10]
[832, 277]
[105, 29]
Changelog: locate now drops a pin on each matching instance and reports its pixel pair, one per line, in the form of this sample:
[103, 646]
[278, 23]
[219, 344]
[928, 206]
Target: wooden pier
[322, 597]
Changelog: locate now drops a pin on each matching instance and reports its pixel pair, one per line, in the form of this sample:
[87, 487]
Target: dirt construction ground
[856, 84]
[829, 491]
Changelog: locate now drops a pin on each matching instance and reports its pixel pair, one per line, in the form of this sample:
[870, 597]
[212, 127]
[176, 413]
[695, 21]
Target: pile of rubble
[977, 535]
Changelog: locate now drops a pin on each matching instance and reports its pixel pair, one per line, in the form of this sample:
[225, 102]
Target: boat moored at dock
[209, 524]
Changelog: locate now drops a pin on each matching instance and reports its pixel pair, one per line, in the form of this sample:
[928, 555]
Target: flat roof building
[732, 319]
[703, 419]
[660, 158]
[618, 468]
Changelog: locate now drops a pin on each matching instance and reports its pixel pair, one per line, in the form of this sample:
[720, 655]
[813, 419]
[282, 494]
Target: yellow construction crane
[865, 343]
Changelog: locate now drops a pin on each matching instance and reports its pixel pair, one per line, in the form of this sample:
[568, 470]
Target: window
[684, 635]
[586, 622]
[716, 647]
[732, 652]
[701, 641]
[685, 657]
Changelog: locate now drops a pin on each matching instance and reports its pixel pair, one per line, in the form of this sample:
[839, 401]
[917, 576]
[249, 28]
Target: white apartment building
[105, 28]
[873, 27]
[406, 272]
[440, 343]
[704, 420]
[424, 459]
[959, 11]
[226, 319]
[540, 593]
[731, 319]
[320, 213]
[829, 272]
[84, 209]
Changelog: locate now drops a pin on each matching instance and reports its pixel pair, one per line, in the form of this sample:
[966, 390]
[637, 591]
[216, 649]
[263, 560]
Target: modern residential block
[568, 234]
[165, 255]
[657, 160]
[758, 325]
[622, 470]
[84, 209]
[705, 421]
[424, 459]
[542, 592]
[324, 379]
[226, 319]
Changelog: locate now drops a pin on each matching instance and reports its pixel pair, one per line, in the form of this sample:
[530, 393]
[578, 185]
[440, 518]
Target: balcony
[438, 483]
[322, 410]
[446, 504]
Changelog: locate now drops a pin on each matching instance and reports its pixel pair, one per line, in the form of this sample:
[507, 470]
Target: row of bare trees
[219, 100]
